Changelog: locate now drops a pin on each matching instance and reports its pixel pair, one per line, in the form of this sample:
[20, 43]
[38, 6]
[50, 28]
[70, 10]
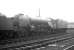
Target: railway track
[38, 44]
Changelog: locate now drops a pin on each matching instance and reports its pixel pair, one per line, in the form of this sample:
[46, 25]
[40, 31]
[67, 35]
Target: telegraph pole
[39, 12]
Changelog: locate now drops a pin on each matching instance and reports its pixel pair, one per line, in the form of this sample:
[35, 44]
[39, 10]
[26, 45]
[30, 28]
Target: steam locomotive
[12, 28]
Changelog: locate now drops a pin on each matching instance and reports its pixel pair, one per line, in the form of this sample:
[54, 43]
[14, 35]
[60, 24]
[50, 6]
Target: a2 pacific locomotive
[13, 28]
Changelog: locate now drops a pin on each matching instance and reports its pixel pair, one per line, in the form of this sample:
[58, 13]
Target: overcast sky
[63, 9]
